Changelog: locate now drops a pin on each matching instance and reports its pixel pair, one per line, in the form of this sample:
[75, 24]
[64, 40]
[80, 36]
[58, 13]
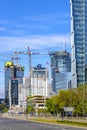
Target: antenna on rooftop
[64, 46]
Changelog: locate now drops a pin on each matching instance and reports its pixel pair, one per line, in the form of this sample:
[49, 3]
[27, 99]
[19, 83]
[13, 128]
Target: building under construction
[60, 70]
[39, 81]
[13, 76]
[39, 87]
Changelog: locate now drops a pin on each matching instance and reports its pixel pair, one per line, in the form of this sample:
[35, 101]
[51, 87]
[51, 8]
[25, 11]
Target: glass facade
[14, 92]
[12, 72]
[78, 42]
[8, 77]
[63, 81]
[61, 70]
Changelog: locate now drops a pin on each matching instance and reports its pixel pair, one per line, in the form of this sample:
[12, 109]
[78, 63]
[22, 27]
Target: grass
[73, 123]
[65, 122]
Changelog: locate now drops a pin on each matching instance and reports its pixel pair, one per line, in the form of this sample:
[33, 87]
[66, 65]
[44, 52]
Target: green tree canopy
[76, 98]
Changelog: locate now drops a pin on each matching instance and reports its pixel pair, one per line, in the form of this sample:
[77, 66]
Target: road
[14, 124]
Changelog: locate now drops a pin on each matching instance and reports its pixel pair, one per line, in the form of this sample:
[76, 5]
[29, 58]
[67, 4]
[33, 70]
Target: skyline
[41, 25]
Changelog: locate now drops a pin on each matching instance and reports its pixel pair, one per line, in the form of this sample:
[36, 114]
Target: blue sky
[42, 25]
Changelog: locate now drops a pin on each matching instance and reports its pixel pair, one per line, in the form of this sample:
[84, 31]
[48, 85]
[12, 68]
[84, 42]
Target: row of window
[77, 1]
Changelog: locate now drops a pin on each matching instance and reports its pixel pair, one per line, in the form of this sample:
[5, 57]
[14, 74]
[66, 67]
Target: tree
[3, 108]
[76, 98]
[42, 111]
[30, 109]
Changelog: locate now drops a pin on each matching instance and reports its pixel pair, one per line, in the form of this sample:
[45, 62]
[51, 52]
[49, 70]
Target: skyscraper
[39, 81]
[61, 70]
[13, 76]
[78, 42]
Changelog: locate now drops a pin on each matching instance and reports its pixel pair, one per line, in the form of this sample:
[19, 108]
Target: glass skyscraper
[12, 72]
[60, 70]
[78, 42]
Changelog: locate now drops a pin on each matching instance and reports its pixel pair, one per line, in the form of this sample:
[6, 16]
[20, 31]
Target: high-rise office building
[13, 76]
[78, 42]
[60, 70]
[39, 87]
[39, 81]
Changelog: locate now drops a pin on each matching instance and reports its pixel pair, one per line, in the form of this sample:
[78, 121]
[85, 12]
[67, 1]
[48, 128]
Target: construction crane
[16, 58]
[29, 53]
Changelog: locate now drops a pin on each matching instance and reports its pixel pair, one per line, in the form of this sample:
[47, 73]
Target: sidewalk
[27, 117]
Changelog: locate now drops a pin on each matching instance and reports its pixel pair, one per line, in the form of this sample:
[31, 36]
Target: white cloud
[34, 41]
[17, 32]
[2, 29]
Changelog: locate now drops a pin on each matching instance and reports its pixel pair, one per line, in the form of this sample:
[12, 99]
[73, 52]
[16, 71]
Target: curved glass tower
[60, 70]
[78, 42]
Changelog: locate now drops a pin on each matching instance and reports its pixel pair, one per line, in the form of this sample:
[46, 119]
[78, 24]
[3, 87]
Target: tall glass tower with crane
[78, 42]
[60, 70]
